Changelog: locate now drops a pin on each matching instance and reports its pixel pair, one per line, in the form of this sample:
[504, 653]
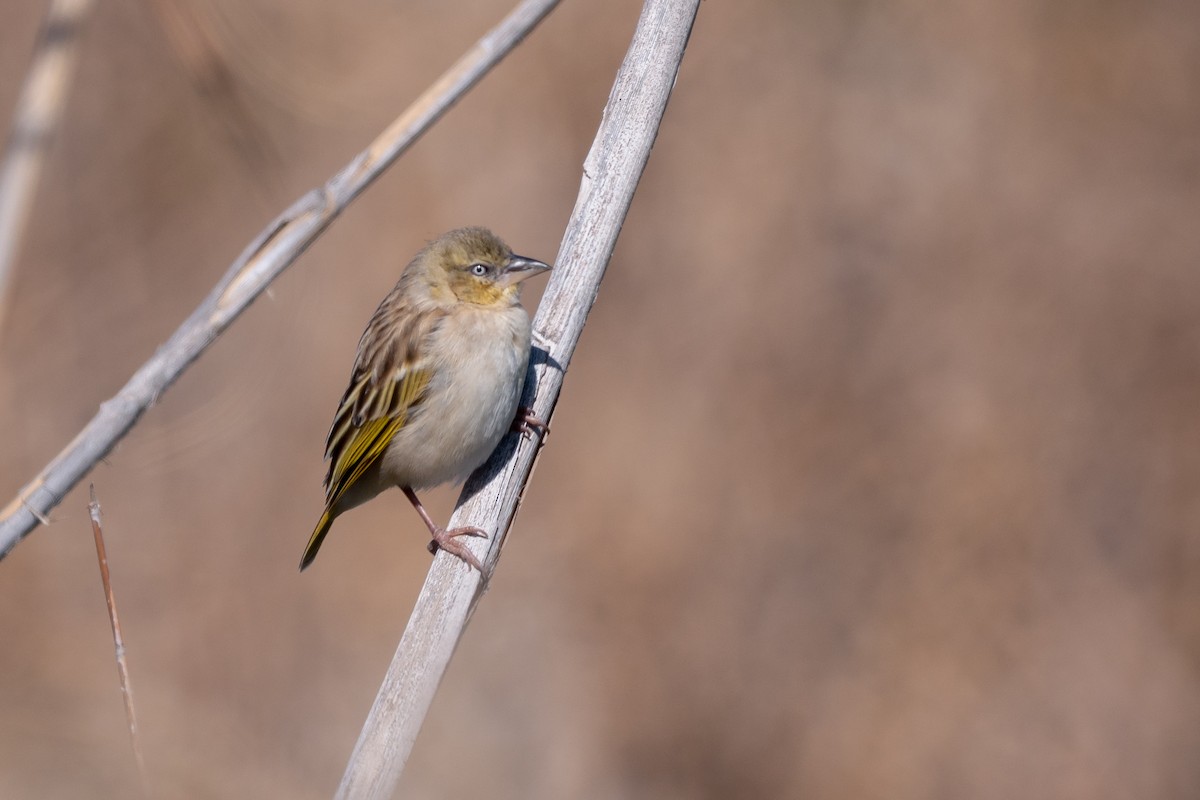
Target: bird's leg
[526, 424]
[444, 539]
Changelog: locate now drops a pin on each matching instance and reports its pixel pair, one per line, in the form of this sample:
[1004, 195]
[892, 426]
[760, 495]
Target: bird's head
[473, 265]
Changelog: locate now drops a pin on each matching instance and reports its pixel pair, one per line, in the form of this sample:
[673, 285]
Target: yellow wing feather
[355, 445]
[369, 443]
[369, 438]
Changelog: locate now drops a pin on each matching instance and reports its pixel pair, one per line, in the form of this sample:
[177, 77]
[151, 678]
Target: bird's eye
[478, 270]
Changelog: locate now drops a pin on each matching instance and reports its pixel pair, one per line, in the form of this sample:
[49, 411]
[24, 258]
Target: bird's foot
[446, 540]
[527, 424]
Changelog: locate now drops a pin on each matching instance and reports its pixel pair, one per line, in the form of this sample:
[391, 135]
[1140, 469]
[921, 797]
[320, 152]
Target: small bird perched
[436, 381]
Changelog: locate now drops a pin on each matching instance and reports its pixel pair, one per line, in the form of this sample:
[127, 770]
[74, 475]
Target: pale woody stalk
[490, 499]
[264, 260]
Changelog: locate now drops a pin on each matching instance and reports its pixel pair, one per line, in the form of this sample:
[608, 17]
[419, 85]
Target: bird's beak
[519, 268]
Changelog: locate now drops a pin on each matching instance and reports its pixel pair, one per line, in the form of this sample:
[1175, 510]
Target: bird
[436, 384]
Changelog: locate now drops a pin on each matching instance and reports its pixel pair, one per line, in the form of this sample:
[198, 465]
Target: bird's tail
[318, 536]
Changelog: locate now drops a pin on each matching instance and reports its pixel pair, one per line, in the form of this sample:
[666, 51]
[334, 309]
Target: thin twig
[39, 108]
[272, 251]
[118, 642]
[491, 498]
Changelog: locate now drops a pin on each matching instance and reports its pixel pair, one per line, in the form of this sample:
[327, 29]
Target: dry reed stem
[39, 108]
[493, 494]
[272, 251]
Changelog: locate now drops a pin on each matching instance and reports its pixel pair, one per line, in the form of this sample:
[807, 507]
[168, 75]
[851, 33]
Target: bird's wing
[390, 379]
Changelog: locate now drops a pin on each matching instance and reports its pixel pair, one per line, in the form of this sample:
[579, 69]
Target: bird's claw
[527, 424]
[445, 540]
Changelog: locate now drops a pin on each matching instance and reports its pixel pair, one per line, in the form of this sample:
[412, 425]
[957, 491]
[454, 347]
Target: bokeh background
[875, 474]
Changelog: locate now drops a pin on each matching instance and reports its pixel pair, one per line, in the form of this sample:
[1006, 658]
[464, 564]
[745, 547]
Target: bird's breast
[479, 359]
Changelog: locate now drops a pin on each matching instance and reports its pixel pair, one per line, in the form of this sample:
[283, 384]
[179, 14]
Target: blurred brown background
[875, 474]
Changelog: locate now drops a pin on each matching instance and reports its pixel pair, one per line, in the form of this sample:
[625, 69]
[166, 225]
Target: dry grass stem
[272, 251]
[118, 641]
[490, 500]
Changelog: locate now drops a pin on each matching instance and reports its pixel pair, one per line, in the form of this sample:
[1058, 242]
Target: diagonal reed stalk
[271, 252]
[491, 498]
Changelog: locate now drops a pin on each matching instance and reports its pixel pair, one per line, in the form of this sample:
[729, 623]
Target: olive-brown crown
[471, 265]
